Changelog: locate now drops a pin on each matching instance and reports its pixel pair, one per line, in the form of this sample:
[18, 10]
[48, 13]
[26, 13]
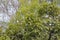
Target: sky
[7, 8]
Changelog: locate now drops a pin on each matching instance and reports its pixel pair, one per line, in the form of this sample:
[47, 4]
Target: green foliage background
[34, 21]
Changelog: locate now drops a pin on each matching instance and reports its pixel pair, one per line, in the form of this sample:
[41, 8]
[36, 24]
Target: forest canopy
[34, 20]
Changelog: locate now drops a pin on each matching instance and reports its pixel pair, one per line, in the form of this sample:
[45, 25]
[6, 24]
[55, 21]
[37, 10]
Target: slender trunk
[50, 34]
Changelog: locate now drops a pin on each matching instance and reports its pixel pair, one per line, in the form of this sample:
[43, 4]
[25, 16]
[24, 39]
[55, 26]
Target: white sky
[9, 8]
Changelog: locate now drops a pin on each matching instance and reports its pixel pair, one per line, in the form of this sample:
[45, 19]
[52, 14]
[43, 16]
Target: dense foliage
[34, 21]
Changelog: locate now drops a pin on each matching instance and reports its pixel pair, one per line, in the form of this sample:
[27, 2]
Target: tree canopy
[34, 20]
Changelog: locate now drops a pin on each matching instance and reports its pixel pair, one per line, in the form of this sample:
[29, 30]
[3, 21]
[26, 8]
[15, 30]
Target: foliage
[4, 37]
[35, 21]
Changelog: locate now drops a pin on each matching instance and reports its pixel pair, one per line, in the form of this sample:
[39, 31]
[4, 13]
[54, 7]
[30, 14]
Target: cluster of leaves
[34, 21]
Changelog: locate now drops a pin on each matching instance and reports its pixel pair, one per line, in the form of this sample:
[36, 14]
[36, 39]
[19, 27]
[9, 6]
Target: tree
[35, 21]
